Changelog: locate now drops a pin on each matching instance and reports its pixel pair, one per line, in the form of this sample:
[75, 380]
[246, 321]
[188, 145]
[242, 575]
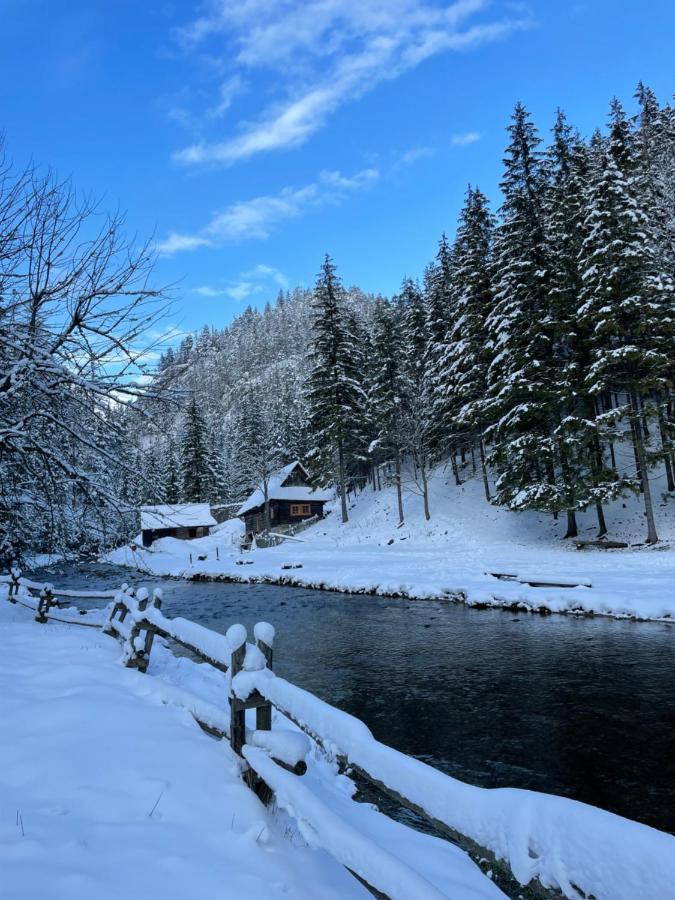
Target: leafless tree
[76, 302]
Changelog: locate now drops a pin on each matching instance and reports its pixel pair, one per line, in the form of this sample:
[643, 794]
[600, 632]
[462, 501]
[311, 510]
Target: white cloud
[255, 219]
[207, 291]
[325, 53]
[176, 243]
[467, 137]
[242, 289]
[261, 270]
[255, 281]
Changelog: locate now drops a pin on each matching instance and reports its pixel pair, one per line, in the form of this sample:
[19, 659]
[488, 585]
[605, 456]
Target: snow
[236, 636]
[108, 790]
[452, 555]
[289, 746]
[322, 828]
[108, 783]
[560, 841]
[182, 515]
[265, 633]
[276, 491]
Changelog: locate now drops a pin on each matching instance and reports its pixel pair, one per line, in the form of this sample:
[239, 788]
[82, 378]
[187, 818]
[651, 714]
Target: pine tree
[439, 295]
[334, 392]
[580, 473]
[520, 400]
[627, 302]
[468, 352]
[196, 477]
[418, 405]
[656, 149]
[388, 392]
[171, 487]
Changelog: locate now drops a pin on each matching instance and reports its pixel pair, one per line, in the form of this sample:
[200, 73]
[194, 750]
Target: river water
[579, 707]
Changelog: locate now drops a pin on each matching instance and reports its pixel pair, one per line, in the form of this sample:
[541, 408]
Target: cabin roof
[301, 493]
[178, 515]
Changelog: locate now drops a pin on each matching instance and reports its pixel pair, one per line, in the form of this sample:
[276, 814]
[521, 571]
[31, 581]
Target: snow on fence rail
[534, 845]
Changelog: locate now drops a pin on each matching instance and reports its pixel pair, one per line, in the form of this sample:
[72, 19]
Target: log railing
[500, 829]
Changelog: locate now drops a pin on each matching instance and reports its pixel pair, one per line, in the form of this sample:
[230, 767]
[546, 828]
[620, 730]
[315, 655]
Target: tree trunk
[569, 491]
[652, 536]
[266, 508]
[399, 489]
[343, 484]
[637, 439]
[486, 484]
[596, 468]
[455, 470]
[425, 489]
[663, 428]
[572, 530]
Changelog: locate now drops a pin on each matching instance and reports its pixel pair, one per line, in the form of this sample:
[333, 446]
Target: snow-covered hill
[454, 555]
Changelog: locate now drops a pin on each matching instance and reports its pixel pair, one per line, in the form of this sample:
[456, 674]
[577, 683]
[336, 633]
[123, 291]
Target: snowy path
[104, 788]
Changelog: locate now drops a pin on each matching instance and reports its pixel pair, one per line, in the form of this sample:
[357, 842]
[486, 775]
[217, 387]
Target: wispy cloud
[325, 53]
[205, 290]
[465, 138]
[248, 284]
[256, 219]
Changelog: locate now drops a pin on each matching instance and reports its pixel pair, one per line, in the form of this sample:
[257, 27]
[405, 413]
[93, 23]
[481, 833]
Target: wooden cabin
[291, 497]
[185, 521]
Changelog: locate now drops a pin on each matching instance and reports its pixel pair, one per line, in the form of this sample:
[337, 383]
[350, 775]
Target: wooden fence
[135, 618]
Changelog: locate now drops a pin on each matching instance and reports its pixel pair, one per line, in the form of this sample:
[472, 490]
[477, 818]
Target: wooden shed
[291, 497]
[185, 521]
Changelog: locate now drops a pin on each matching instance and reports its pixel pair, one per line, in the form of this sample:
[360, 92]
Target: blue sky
[252, 136]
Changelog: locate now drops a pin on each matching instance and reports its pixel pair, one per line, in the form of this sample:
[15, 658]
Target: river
[579, 707]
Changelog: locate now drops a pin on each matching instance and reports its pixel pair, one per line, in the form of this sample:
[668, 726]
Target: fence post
[45, 601]
[264, 638]
[15, 573]
[132, 656]
[144, 660]
[236, 636]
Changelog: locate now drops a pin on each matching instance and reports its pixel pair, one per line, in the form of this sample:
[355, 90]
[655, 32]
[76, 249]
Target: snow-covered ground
[110, 790]
[452, 555]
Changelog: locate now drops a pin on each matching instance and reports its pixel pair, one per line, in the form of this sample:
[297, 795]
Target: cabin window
[301, 509]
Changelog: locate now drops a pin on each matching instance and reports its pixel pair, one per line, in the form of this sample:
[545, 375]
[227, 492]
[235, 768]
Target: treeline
[540, 340]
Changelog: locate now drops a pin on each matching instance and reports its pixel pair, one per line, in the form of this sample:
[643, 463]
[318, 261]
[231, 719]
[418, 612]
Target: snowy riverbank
[105, 783]
[450, 556]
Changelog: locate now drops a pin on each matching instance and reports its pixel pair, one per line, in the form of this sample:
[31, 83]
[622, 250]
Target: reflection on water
[579, 707]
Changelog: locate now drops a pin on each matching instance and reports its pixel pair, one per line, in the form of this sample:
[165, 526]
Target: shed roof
[178, 515]
[276, 491]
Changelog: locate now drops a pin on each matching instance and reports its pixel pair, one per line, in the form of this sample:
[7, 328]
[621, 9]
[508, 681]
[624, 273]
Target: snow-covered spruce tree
[655, 139]
[468, 351]
[171, 485]
[195, 471]
[580, 473]
[417, 408]
[521, 398]
[259, 454]
[334, 392]
[388, 392]
[627, 301]
[439, 296]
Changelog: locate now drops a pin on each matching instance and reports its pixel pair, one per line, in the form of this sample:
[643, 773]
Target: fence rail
[532, 845]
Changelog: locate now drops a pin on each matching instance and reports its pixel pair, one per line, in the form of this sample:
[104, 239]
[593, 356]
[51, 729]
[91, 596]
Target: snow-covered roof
[179, 515]
[276, 491]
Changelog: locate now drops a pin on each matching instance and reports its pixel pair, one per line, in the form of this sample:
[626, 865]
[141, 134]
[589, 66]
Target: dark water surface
[579, 707]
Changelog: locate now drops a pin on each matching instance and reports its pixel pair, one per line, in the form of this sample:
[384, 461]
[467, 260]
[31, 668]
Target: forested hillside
[537, 343]
[538, 340]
